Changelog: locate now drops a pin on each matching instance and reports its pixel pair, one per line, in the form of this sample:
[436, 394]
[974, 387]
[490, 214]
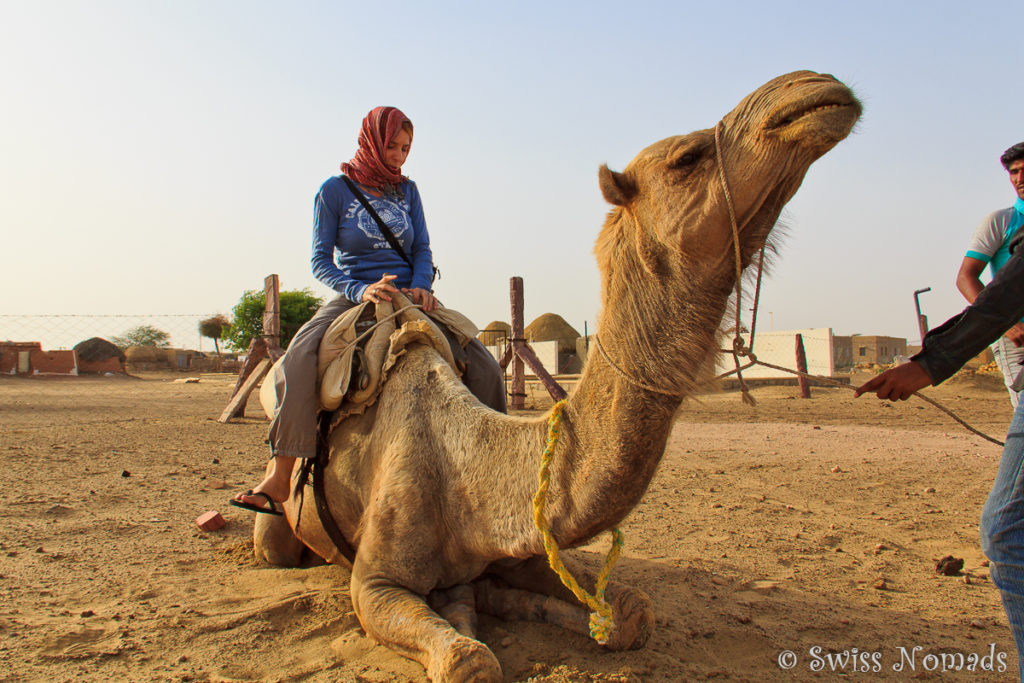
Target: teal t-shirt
[991, 240]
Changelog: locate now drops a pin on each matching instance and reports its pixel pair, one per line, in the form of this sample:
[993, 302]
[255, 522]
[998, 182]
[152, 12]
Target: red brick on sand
[210, 521]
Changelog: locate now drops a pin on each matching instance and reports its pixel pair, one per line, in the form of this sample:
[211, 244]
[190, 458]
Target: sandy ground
[794, 525]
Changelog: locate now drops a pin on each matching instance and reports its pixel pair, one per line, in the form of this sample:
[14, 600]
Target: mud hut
[99, 355]
[495, 333]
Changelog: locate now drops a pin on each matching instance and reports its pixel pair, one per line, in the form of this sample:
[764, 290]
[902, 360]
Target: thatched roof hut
[97, 349]
[552, 327]
[495, 333]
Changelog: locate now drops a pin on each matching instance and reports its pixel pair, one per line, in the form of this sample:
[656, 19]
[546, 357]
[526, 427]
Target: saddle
[363, 344]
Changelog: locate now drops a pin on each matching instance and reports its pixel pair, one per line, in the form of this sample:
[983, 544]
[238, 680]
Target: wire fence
[64, 331]
[43, 344]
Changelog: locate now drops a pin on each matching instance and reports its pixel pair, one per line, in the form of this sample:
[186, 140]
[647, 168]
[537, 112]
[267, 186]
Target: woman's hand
[422, 297]
[380, 290]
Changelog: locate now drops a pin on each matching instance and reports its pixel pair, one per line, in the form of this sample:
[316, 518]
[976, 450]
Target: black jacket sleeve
[998, 307]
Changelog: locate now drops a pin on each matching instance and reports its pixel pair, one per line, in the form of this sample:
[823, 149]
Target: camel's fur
[434, 489]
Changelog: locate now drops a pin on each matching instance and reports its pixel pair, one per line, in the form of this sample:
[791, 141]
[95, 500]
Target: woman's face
[398, 150]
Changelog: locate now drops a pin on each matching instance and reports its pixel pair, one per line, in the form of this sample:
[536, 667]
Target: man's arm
[968, 281]
[968, 278]
[956, 341]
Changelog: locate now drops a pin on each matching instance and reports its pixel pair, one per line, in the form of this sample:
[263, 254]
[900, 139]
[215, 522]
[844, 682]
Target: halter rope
[738, 346]
[601, 622]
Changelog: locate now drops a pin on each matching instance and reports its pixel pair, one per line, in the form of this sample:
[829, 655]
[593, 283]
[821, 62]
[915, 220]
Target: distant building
[866, 348]
[24, 358]
[779, 348]
[842, 352]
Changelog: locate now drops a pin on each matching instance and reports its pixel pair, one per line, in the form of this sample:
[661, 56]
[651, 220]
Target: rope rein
[738, 348]
[377, 324]
[601, 622]
[826, 380]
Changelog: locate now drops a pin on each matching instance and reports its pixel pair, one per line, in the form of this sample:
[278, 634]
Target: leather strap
[388, 235]
[323, 510]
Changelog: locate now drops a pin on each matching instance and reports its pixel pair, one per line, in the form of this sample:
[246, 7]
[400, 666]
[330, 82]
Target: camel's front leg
[401, 619]
[458, 606]
[543, 597]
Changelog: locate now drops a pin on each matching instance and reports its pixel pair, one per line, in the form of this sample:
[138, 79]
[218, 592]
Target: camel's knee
[274, 542]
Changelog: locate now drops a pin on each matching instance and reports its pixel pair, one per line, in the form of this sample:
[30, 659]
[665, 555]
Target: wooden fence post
[263, 352]
[272, 311]
[518, 337]
[801, 365]
[519, 352]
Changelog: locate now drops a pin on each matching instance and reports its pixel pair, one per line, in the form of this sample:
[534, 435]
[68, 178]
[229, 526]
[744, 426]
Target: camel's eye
[684, 159]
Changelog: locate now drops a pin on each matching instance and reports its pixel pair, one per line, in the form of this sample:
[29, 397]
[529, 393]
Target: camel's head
[674, 191]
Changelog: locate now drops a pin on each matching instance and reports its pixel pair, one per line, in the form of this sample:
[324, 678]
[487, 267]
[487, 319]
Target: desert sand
[804, 525]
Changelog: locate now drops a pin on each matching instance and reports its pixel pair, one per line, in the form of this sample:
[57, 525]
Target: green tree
[297, 306]
[214, 329]
[143, 335]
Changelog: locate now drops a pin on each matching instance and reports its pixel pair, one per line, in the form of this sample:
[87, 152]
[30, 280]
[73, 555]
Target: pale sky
[162, 158]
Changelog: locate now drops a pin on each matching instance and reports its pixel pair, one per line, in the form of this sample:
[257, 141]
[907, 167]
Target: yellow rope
[601, 612]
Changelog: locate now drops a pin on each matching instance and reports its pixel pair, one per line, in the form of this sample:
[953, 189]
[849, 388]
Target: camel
[434, 490]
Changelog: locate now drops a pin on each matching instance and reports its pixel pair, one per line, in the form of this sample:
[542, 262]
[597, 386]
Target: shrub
[143, 335]
[297, 307]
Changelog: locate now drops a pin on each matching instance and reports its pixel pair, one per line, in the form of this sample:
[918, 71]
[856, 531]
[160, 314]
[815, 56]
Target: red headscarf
[367, 167]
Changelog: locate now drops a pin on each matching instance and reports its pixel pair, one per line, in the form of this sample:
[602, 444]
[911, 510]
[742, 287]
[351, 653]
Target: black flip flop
[272, 510]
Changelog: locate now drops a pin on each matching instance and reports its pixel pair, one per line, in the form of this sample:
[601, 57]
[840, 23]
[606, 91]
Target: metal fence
[64, 331]
[42, 344]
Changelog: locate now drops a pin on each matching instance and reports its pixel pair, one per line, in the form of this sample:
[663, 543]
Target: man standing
[990, 246]
[995, 310]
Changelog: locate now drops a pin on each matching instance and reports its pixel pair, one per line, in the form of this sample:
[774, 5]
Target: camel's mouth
[836, 108]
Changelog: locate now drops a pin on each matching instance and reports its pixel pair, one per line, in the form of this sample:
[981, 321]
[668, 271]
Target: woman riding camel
[353, 256]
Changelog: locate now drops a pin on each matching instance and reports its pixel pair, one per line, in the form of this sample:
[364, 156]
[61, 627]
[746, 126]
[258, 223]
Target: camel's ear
[616, 187]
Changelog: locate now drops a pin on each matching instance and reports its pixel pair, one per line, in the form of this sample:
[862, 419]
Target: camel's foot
[631, 611]
[633, 617]
[274, 542]
[465, 660]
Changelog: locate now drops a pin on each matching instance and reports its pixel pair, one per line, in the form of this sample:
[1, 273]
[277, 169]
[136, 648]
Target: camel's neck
[660, 329]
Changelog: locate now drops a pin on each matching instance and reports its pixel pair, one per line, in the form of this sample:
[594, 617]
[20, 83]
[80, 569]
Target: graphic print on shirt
[394, 214]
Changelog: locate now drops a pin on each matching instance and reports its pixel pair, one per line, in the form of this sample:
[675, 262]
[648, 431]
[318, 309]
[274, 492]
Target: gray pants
[293, 429]
[1009, 357]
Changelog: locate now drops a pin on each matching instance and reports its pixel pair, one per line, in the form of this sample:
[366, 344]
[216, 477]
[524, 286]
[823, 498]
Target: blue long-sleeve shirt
[349, 250]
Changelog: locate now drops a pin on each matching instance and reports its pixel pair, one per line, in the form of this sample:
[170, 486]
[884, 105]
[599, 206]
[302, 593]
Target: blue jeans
[1002, 530]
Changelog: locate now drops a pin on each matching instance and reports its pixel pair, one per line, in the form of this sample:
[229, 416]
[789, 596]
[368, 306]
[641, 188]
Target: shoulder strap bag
[388, 235]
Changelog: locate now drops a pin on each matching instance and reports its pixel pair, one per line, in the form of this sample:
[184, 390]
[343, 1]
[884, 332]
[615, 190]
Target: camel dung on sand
[412, 481]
